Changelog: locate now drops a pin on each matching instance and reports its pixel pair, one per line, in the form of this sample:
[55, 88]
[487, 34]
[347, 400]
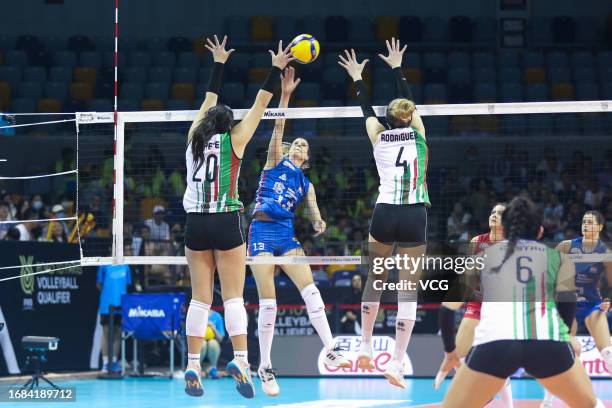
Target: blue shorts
[271, 237]
[585, 309]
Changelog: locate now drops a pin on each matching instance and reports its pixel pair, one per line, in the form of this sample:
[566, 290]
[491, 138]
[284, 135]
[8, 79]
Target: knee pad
[197, 319]
[267, 315]
[236, 320]
[314, 302]
[406, 310]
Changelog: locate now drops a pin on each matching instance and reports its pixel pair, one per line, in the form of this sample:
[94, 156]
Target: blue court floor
[295, 393]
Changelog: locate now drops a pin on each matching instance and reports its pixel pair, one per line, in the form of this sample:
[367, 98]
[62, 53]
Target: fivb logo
[27, 274]
[140, 312]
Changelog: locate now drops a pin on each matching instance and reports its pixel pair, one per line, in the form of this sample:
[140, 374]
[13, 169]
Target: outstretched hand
[350, 64]
[282, 56]
[288, 81]
[218, 49]
[394, 59]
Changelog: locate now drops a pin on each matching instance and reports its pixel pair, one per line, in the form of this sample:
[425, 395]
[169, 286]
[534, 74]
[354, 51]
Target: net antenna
[120, 119]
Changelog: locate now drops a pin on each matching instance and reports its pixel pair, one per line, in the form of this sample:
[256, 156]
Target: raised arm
[275, 148]
[313, 213]
[394, 60]
[354, 69]
[220, 56]
[243, 131]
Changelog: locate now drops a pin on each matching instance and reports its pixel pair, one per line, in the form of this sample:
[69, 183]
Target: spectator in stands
[29, 231]
[350, 321]
[549, 166]
[5, 215]
[113, 281]
[7, 120]
[160, 230]
[13, 234]
[57, 234]
[457, 224]
[211, 347]
[6, 199]
[38, 205]
[594, 196]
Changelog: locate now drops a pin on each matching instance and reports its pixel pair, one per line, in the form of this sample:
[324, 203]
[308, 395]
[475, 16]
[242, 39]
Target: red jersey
[483, 241]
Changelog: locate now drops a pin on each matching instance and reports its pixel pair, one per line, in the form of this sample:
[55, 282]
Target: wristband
[271, 79]
[214, 82]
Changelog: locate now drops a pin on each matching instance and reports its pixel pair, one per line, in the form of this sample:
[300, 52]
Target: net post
[118, 190]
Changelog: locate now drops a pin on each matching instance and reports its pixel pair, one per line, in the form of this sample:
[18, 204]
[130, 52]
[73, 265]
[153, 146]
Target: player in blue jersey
[282, 187]
[591, 307]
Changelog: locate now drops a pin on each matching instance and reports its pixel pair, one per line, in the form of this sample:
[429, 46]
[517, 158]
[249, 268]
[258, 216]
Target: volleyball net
[128, 195]
[479, 154]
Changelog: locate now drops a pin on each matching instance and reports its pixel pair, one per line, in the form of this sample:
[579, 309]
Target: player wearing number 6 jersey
[282, 187]
[400, 215]
[529, 300]
[213, 234]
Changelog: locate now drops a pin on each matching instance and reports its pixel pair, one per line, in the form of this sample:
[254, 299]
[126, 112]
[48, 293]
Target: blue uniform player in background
[282, 187]
[592, 308]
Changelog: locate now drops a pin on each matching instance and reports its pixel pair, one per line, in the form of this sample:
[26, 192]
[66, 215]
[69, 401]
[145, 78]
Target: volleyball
[305, 48]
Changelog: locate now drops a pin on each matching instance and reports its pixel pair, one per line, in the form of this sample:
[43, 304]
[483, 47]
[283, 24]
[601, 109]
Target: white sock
[369, 311]
[505, 395]
[265, 329]
[242, 355]
[606, 354]
[403, 331]
[104, 360]
[193, 360]
[548, 396]
[317, 315]
[599, 404]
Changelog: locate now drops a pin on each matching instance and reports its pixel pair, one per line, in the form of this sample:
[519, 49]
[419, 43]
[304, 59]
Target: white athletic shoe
[268, 381]
[364, 358]
[395, 374]
[333, 358]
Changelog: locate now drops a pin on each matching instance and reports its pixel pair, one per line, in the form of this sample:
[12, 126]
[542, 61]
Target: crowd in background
[461, 199]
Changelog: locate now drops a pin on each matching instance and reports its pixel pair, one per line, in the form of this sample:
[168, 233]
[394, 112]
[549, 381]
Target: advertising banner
[61, 303]
[382, 354]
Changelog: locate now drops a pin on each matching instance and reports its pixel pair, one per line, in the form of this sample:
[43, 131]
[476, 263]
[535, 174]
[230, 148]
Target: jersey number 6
[211, 169]
[524, 274]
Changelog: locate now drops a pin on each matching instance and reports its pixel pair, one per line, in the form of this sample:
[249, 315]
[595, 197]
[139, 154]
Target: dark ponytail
[217, 119]
[521, 219]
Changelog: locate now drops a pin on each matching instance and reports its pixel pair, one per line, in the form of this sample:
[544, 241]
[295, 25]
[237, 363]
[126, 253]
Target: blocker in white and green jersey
[519, 300]
[401, 161]
[212, 186]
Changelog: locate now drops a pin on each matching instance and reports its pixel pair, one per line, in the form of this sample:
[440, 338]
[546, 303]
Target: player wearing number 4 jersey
[213, 234]
[282, 187]
[529, 299]
[400, 216]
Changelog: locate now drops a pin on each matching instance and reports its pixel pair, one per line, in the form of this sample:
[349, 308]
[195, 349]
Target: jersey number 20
[211, 169]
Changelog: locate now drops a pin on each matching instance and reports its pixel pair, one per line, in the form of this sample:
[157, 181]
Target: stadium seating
[454, 60]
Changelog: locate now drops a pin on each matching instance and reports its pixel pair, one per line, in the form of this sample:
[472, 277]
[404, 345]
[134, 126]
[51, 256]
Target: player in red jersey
[454, 353]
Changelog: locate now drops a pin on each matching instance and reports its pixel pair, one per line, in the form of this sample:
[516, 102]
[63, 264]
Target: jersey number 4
[401, 163]
[211, 169]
